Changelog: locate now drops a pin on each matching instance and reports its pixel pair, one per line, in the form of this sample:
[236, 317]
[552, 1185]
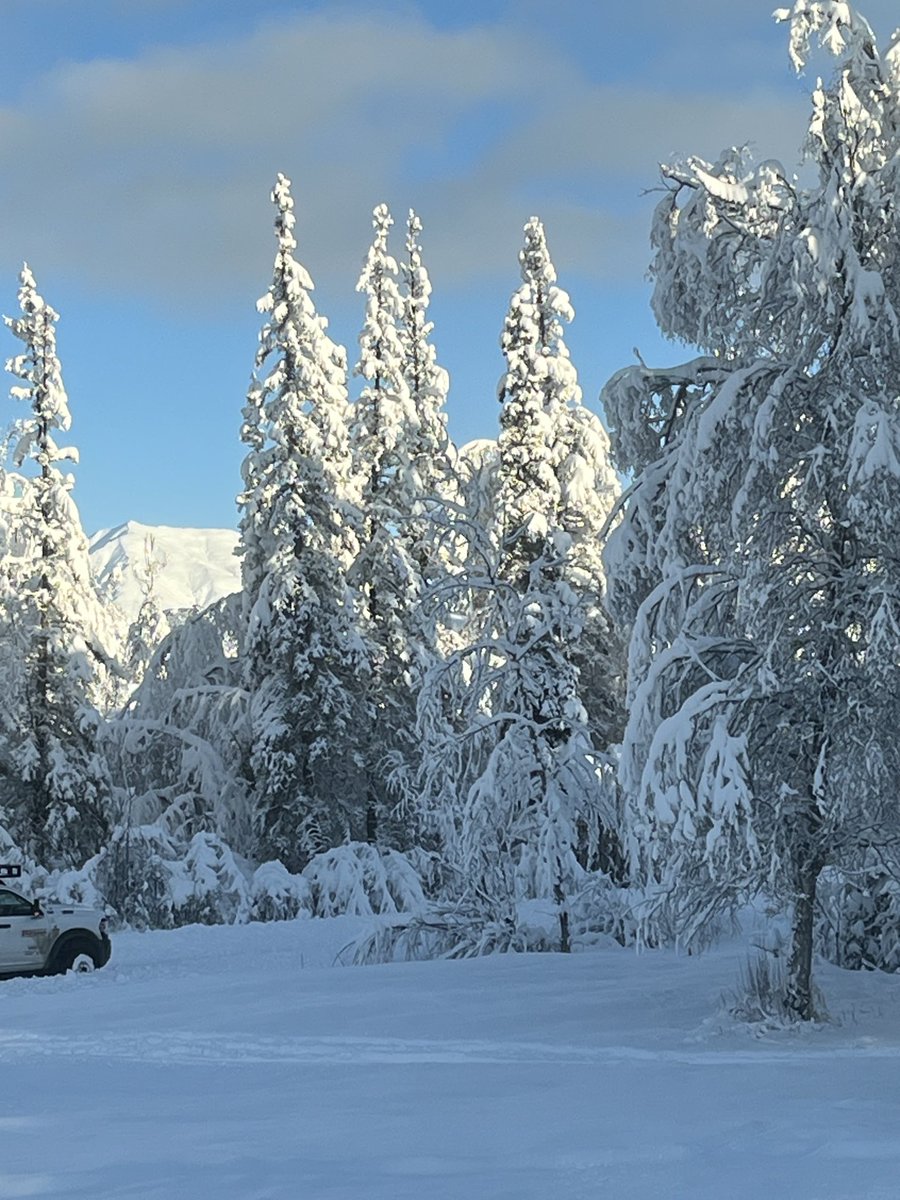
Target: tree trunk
[799, 984]
[565, 942]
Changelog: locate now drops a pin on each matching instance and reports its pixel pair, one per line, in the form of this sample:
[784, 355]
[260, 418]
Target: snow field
[238, 1063]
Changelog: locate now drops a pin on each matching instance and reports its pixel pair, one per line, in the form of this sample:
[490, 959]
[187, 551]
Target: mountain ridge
[192, 567]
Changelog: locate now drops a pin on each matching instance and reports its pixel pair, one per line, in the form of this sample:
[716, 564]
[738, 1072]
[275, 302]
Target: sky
[139, 140]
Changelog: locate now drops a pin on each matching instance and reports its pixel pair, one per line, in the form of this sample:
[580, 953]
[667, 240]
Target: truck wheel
[75, 956]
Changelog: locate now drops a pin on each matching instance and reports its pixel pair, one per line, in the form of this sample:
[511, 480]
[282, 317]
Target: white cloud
[152, 175]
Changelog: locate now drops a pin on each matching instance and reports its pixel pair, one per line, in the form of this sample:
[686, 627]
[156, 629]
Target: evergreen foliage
[305, 663]
[397, 440]
[555, 474]
[55, 784]
[432, 456]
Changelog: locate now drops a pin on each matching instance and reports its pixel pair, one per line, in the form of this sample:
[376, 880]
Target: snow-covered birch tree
[180, 750]
[55, 779]
[502, 720]
[757, 551]
[150, 625]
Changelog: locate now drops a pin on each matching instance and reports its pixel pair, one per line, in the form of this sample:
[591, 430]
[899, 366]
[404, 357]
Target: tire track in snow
[225, 1049]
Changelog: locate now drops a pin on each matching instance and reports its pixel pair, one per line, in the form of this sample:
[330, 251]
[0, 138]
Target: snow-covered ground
[241, 1064]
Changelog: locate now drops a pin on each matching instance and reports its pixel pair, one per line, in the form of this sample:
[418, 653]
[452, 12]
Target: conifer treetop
[384, 419]
[39, 369]
[431, 452]
[536, 392]
[381, 352]
[298, 396]
[532, 339]
[419, 354]
[294, 420]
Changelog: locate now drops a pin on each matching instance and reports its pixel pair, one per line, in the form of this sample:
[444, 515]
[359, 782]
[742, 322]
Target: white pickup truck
[48, 939]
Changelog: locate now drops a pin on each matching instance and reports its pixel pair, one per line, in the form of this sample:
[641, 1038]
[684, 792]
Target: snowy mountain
[193, 567]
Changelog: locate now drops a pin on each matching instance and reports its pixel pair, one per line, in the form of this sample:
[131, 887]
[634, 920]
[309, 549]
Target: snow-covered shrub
[76, 887]
[208, 888]
[430, 867]
[601, 909]
[147, 879]
[858, 920]
[151, 882]
[134, 875]
[467, 928]
[277, 895]
[362, 880]
[457, 931]
[759, 995]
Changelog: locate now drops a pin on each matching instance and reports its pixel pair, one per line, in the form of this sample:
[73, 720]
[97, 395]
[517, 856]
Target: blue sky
[139, 140]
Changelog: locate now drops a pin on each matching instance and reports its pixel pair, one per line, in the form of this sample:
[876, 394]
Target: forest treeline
[474, 688]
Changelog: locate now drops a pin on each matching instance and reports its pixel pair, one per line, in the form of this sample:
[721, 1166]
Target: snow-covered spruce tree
[555, 490]
[554, 464]
[55, 783]
[305, 664]
[435, 469]
[509, 771]
[432, 455]
[252, 521]
[757, 550]
[384, 417]
[389, 447]
[14, 564]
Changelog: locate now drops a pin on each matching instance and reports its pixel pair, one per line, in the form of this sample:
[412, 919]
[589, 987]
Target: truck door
[23, 936]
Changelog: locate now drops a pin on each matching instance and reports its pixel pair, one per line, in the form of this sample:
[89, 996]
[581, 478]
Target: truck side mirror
[36, 910]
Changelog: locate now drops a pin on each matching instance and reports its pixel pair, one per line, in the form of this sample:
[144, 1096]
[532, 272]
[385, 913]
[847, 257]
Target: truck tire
[79, 953]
